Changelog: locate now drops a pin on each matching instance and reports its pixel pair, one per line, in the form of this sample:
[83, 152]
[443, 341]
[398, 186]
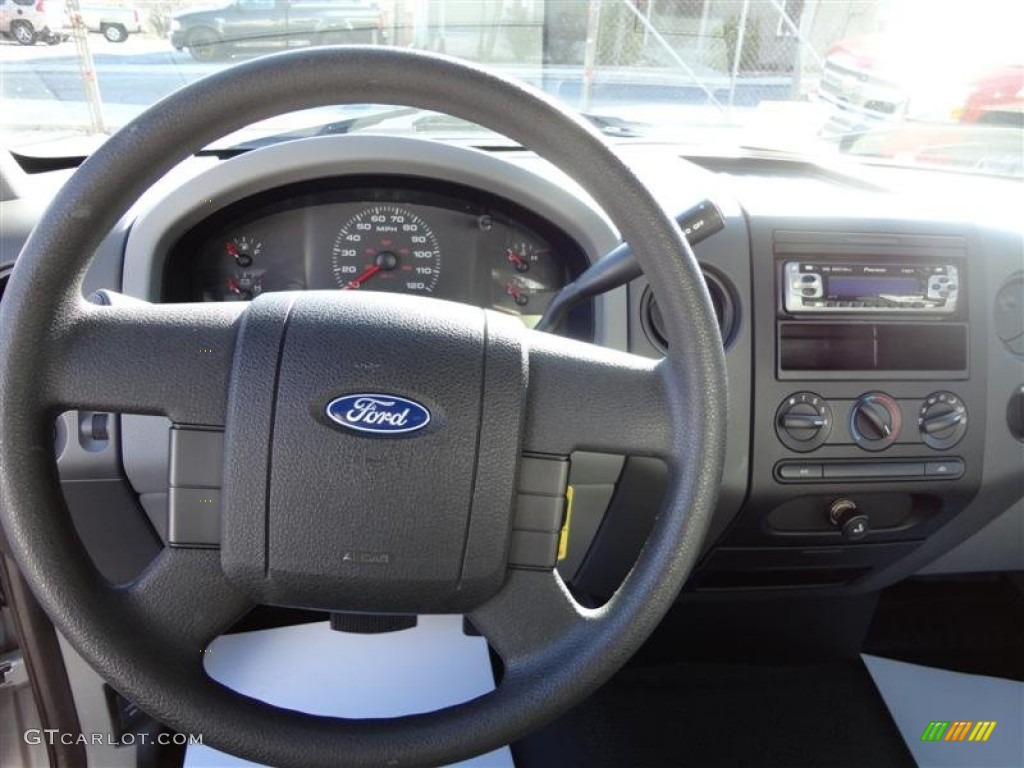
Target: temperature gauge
[243, 285]
[519, 291]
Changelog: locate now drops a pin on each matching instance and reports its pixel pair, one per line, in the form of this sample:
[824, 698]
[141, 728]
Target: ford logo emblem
[378, 414]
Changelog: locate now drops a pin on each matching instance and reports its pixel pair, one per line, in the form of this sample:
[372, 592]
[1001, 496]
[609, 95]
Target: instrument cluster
[401, 235]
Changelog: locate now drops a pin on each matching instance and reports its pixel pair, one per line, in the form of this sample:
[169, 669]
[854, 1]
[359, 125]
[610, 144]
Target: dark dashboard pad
[382, 233]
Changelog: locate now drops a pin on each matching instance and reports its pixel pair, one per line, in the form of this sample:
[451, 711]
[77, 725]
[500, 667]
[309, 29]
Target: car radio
[869, 287]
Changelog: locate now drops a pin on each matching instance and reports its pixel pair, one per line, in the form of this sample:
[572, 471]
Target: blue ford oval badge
[378, 414]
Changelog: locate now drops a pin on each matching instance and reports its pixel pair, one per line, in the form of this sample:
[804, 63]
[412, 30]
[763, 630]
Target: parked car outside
[257, 26]
[30, 21]
[114, 23]
[866, 84]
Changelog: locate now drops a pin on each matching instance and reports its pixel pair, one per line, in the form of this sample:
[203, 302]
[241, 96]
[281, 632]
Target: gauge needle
[370, 272]
[232, 250]
[514, 257]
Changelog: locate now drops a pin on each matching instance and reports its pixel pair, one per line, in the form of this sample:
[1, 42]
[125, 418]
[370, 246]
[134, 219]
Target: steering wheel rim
[53, 339]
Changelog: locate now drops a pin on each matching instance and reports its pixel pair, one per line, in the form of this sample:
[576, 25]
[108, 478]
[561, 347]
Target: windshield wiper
[332, 128]
[425, 122]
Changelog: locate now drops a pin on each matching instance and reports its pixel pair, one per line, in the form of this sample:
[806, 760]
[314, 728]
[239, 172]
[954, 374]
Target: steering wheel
[320, 516]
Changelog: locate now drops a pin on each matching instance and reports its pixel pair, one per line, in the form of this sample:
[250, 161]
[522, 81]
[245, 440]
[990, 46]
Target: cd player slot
[872, 347]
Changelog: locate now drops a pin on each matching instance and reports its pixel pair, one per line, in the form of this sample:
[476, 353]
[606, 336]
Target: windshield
[884, 81]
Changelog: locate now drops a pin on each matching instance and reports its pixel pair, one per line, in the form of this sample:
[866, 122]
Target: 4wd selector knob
[875, 421]
[942, 420]
[803, 421]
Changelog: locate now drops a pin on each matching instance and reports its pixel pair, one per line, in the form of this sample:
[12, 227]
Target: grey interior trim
[999, 546]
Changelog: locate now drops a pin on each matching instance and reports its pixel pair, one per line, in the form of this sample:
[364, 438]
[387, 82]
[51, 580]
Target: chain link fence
[720, 52]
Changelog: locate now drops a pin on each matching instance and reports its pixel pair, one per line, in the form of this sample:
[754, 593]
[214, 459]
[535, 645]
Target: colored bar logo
[958, 730]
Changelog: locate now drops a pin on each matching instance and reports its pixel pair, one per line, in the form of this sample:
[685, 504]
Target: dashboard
[392, 234]
[874, 341]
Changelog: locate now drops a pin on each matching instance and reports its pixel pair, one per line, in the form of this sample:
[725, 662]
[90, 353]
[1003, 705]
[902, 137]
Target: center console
[866, 423]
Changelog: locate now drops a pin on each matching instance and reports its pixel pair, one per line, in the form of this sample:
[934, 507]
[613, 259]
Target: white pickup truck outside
[115, 24]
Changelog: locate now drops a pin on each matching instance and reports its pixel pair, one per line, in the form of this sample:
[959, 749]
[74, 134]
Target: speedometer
[386, 248]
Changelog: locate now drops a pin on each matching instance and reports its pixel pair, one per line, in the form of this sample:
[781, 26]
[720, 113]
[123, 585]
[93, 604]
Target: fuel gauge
[243, 249]
[524, 255]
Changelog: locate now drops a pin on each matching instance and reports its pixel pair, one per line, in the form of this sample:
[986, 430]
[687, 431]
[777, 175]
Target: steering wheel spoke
[186, 599]
[586, 397]
[136, 357]
[533, 611]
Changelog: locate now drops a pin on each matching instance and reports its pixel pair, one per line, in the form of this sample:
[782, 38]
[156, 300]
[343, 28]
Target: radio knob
[875, 421]
[942, 420]
[803, 421]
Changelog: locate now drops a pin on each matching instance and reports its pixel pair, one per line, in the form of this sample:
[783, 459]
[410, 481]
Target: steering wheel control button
[539, 513]
[875, 421]
[803, 421]
[942, 420]
[193, 517]
[194, 479]
[944, 469]
[196, 457]
[533, 550]
[543, 474]
[852, 524]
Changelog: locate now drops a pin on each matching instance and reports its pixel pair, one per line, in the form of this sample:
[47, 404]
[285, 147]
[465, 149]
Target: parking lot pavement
[41, 83]
[135, 45]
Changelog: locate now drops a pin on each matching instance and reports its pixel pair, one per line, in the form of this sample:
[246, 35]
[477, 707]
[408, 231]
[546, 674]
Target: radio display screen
[853, 287]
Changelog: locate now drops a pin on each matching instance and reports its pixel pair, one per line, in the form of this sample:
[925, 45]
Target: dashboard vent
[721, 298]
[1009, 314]
[4, 275]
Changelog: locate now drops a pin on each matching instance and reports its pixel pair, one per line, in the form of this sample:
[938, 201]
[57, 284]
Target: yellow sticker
[563, 537]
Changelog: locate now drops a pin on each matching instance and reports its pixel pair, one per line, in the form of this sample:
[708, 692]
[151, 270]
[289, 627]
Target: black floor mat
[973, 625]
[725, 715]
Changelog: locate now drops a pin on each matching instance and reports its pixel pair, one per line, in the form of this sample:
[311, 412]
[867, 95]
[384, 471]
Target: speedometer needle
[370, 272]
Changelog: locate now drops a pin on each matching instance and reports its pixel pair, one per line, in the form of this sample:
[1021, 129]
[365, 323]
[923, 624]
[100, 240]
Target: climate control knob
[942, 420]
[875, 421]
[803, 421]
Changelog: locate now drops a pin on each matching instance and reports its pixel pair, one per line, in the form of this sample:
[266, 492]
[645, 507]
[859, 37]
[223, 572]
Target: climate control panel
[874, 421]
